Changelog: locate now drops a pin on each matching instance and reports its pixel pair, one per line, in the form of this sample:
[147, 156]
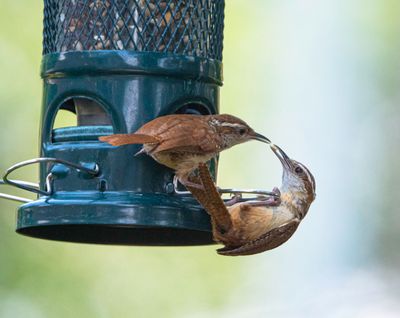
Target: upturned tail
[128, 139]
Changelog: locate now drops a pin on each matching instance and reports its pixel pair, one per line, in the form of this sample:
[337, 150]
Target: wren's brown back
[189, 133]
[181, 133]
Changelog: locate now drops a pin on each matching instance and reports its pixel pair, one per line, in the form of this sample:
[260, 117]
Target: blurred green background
[321, 79]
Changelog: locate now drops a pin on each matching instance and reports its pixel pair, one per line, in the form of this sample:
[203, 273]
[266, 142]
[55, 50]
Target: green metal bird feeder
[118, 64]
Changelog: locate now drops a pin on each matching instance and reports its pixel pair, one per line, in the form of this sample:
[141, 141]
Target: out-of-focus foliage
[321, 79]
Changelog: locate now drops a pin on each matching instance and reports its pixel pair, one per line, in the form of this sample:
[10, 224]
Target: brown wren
[259, 225]
[181, 142]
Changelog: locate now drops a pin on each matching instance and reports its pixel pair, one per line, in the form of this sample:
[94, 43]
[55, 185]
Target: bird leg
[262, 201]
[185, 182]
[277, 192]
[267, 201]
[235, 199]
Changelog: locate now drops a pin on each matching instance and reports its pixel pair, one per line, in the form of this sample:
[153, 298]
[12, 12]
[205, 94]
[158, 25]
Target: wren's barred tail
[211, 200]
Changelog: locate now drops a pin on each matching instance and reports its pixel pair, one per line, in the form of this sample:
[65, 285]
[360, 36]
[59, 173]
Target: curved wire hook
[14, 197]
[33, 187]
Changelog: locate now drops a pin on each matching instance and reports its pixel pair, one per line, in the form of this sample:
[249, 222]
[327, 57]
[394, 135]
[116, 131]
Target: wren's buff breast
[181, 162]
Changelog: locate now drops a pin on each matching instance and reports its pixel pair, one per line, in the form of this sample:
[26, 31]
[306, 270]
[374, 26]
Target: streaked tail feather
[127, 139]
[210, 199]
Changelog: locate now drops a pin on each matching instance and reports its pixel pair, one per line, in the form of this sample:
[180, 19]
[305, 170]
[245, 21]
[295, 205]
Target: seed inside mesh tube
[169, 26]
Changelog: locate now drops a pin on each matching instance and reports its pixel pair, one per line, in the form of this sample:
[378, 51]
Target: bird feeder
[117, 65]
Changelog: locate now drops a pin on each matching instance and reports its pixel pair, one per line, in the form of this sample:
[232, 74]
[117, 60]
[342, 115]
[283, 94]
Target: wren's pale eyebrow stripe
[232, 125]
[309, 176]
[225, 124]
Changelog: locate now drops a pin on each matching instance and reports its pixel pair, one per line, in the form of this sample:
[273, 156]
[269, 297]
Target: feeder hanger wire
[34, 187]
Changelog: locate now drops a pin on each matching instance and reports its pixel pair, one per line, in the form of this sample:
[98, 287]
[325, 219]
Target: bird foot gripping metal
[236, 195]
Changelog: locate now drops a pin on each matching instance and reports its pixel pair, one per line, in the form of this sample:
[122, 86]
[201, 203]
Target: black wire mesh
[188, 27]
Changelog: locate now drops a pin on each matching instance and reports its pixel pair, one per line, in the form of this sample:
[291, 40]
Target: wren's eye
[242, 131]
[298, 170]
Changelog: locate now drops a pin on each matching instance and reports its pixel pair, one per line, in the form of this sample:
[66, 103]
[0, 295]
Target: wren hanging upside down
[181, 142]
[256, 226]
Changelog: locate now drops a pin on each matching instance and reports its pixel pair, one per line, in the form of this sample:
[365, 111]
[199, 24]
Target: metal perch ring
[240, 192]
[33, 187]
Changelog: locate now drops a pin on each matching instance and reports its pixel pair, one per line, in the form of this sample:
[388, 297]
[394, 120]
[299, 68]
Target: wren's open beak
[283, 157]
[260, 137]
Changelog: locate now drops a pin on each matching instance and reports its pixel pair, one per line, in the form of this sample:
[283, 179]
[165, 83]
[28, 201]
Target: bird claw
[265, 202]
[185, 183]
[237, 197]
[193, 185]
[268, 201]
[176, 190]
[276, 191]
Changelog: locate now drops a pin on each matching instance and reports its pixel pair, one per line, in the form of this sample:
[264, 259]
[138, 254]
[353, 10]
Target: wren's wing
[182, 133]
[268, 241]
[126, 139]
[211, 200]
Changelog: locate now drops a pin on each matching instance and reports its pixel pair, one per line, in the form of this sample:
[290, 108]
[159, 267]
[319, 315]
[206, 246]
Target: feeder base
[119, 219]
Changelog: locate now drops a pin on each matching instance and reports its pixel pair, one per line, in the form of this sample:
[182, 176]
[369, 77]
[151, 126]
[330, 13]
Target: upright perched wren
[181, 142]
[252, 227]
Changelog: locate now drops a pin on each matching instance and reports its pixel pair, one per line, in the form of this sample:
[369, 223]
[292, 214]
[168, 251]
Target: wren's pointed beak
[259, 137]
[283, 157]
